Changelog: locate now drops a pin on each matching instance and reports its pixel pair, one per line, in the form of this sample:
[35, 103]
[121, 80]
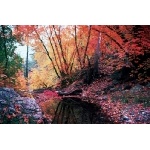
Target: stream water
[76, 111]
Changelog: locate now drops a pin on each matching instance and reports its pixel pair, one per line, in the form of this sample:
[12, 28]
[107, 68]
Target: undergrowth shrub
[49, 107]
[50, 100]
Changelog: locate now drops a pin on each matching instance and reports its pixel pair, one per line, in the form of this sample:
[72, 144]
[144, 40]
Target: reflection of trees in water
[75, 111]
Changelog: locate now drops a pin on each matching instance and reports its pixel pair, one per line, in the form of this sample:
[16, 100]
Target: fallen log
[72, 92]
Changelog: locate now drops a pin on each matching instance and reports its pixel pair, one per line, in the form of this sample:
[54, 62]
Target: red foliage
[47, 95]
[50, 94]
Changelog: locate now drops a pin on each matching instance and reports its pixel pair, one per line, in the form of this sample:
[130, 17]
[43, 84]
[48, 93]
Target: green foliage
[142, 99]
[10, 62]
[134, 98]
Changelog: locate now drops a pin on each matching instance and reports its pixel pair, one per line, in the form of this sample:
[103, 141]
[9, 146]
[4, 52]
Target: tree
[127, 46]
[10, 62]
[67, 49]
[27, 63]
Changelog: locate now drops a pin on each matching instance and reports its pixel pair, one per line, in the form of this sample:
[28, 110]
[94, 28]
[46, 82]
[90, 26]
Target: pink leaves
[50, 94]
[47, 95]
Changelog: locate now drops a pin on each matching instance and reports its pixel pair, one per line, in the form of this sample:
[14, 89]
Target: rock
[3, 102]
[143, 113]
[115, 82]
[11, 103]
[122, 74]
[112, 89]
[142, 116]
[98, 92]
[148, 85]
[125, 118]
[8, 93]
[136, 88]
[127, 87]
[26, 111]
[137, 119]
[11, 109]
[37, 116]
[104, 97]
[109, 88]
[38, 109]
[72, 92]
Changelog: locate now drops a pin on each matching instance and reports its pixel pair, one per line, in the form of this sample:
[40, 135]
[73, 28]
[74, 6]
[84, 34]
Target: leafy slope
[121, 105]
[126, 103]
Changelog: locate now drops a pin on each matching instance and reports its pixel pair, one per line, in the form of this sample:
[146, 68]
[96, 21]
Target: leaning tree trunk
[96, 58]
[93, 69]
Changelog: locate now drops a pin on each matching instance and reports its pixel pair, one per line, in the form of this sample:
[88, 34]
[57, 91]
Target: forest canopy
[61, 51]
[78, 73]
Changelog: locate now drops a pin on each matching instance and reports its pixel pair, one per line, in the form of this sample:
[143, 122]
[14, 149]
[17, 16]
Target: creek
[72, 110]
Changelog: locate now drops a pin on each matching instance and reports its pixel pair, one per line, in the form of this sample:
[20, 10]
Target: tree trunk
[96, 58]
[27, 57]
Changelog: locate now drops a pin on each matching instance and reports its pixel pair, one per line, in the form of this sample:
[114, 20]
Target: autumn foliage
[62, 50]
[66, 49]
[63, 53]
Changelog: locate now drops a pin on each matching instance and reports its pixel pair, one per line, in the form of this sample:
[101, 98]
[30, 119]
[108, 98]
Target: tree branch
[88, 39]
[77, 47]
[47, 53]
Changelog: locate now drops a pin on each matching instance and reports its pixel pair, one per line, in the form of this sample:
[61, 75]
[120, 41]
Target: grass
[136, 98]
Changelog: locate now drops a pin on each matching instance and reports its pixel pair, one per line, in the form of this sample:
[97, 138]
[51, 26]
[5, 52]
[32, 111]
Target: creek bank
[15, 109]
[121, 103]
